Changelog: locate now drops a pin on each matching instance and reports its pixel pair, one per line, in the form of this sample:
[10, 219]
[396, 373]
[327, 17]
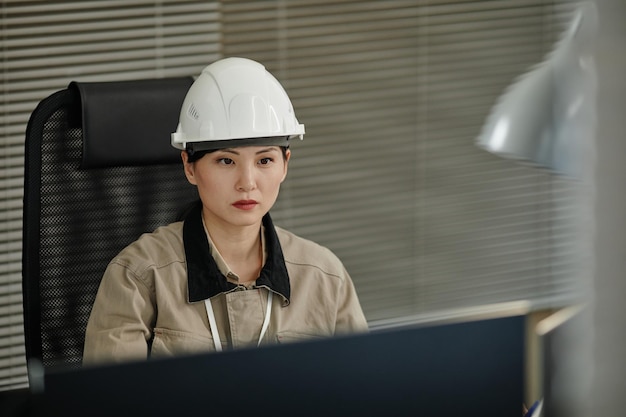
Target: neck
[240, 247]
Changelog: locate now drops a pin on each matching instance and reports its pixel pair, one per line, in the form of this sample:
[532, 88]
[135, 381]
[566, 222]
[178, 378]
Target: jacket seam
[340, 277]
[141, 274]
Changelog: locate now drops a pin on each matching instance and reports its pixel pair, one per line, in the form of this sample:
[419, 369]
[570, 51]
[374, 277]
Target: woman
[225, 277]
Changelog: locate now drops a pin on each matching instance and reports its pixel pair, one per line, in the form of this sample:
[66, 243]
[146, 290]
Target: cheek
[209, 183]
[202, 178]
[275, 178]
[272, 186]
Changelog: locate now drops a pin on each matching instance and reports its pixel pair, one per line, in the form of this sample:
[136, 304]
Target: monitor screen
[472, 368]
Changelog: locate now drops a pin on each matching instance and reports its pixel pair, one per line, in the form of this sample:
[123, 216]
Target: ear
[287, 158]
[188, 167]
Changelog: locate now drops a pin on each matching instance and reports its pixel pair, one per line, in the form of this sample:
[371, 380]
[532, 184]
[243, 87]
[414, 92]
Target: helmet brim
[214, 145]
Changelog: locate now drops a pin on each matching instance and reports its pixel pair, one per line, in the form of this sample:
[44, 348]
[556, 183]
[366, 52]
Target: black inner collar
[204, 279]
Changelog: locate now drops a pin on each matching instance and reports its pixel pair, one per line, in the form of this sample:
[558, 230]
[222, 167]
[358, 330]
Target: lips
[245, 204]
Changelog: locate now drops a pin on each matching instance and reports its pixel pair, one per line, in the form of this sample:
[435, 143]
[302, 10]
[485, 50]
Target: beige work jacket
[151, 298]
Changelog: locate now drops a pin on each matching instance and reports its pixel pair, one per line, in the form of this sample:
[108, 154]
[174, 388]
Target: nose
[246, 180]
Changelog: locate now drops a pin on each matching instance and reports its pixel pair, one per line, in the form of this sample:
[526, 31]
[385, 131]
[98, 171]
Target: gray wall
[608, 384]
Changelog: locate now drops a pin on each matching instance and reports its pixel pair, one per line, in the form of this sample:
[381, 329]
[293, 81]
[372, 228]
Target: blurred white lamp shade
[547, 116]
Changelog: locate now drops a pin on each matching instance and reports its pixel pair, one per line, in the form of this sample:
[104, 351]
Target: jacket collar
[204, 279]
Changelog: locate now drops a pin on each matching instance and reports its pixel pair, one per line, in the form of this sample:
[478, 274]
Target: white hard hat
[235, 102]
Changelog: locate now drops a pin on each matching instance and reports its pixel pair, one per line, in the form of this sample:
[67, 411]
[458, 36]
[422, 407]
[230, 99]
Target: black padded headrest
[128, 123]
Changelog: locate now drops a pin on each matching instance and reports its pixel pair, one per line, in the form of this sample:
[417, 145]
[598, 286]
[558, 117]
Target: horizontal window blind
[44, 46]
[393, 95]
[487, 228]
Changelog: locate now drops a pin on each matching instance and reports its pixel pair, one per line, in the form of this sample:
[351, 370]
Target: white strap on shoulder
[268, 313]
[213, 325]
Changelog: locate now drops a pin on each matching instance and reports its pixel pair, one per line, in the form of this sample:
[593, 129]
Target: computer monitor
[472, 368]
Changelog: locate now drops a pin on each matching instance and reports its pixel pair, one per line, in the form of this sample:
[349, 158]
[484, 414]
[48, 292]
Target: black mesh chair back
[99, 172]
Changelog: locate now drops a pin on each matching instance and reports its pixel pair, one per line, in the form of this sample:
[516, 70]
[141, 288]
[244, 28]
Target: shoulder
[302, 252]
[161, 247]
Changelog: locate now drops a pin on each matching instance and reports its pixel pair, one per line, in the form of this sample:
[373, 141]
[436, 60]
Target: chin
[247, 219]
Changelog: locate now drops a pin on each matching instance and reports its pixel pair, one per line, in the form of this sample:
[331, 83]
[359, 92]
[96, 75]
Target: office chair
[99, 172]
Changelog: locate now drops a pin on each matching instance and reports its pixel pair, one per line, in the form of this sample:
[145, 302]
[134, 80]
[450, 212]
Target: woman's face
[238, 186]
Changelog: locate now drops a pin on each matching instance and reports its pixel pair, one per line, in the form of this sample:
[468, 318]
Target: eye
[266, 161]
[225, 161]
